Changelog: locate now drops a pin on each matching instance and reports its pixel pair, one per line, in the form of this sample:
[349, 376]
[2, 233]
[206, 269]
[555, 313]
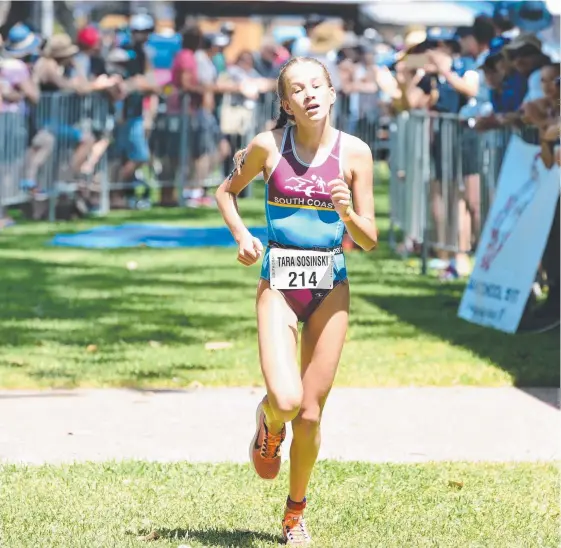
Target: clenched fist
[249, 250]
[341, 196]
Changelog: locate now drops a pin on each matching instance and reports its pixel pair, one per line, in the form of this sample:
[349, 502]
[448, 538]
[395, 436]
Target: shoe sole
[254, 439]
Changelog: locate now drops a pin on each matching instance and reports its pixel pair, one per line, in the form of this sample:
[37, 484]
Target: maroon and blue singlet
[301, 215]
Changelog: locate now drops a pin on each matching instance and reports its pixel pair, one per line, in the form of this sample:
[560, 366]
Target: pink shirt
[184, 61]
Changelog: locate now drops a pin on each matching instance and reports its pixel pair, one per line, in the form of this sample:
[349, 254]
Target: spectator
[502, 20]
[226, 31]
[410, 72]
[507, 86]
[55, 72]
[212, 145]
[267, 60]
[544, 113]
[137, 121]
[23, 49]
[88, 62]
[243, 74]
[525, 53]
[302, 47]
[184, 74]
[450, 81]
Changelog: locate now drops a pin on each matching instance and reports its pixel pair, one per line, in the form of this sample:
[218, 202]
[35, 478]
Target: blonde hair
[284, 117]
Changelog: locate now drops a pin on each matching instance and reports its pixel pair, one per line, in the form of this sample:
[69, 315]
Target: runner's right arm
[253, 161]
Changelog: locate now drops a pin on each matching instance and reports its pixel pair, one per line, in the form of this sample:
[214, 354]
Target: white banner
[513, 240]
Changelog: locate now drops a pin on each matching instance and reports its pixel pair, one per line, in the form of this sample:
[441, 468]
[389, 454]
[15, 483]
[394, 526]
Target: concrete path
[378, 425]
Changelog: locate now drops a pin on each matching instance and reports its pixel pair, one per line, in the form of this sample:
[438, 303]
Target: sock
[270, 419]
[295, 506]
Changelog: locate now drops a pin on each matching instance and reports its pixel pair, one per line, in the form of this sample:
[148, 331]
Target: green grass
[149, 326]
[352, 505]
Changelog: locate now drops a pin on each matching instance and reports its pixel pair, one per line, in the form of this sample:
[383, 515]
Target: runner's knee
[286, 404]
[307, 422]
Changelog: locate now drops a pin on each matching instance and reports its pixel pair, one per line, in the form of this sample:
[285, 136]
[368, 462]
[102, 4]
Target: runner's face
[308, 95]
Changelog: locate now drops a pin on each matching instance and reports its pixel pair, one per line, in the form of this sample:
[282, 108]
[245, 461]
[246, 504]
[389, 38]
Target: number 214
[293, 276]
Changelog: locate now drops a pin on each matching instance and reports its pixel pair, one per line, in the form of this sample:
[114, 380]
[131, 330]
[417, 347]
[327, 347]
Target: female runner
[311, 171]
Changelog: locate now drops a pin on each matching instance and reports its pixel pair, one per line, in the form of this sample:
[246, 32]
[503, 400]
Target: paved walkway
[377, 425]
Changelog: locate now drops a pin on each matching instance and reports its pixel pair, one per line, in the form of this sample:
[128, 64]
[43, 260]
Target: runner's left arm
[360, 220]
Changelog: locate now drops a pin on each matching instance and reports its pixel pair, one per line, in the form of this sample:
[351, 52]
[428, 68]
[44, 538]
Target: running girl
[312, 171]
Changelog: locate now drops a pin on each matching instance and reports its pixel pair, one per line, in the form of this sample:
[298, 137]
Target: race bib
[299, 269]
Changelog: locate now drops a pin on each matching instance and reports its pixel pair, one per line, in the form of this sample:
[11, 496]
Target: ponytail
[239, 157]
[282, 120]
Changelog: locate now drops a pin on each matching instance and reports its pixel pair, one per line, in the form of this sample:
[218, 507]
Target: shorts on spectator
[204, 134]
[131, 141]
[13, 136]
[470, 151]
[199, 137]
[454, 152]
[70, 135]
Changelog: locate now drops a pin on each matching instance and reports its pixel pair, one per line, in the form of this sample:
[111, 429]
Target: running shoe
[264, 451]
[294, 530]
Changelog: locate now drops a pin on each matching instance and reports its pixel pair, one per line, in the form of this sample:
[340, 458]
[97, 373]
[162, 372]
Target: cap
[497, 44]
[220, 40]
[462, 32]
[228, 28]
[88, 37]
[496, 47]
[142, 22]
[438, 34]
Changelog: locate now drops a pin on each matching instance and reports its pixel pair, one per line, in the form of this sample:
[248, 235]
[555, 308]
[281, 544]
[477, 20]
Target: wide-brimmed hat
[529, 42]
[21, 41]
[530, 16]
[325, 38]
[60, 46]
[412, 40]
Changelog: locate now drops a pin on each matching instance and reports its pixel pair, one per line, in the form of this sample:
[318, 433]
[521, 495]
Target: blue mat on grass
[151, 235]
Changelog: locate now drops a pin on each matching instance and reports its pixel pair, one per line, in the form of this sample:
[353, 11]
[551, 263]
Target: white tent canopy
[444, 14]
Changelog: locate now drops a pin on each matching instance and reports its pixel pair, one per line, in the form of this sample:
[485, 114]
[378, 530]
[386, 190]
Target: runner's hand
[249, 250]
[341, 195]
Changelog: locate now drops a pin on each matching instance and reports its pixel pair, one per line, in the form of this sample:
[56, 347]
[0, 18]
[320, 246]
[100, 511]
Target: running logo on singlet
[302, 192]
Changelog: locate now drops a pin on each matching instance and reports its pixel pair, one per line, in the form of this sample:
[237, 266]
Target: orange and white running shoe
[294, 528]
[264, 451]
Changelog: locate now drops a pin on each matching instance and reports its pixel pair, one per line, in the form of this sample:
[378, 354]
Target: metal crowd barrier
[71, 149]
[442, 173]
[46, 149]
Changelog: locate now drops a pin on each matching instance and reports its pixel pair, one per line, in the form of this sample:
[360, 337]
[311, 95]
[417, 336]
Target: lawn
[354, 505]
[72, 317]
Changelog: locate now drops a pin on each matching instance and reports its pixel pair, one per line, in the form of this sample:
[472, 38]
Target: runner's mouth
[313, 106]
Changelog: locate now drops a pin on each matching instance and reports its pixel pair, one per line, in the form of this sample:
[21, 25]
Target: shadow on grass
[216, 537]
[73, 304]
[531, 360]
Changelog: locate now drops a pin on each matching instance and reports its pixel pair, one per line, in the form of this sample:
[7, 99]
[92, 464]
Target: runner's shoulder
[266, 141]
[353, 147]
